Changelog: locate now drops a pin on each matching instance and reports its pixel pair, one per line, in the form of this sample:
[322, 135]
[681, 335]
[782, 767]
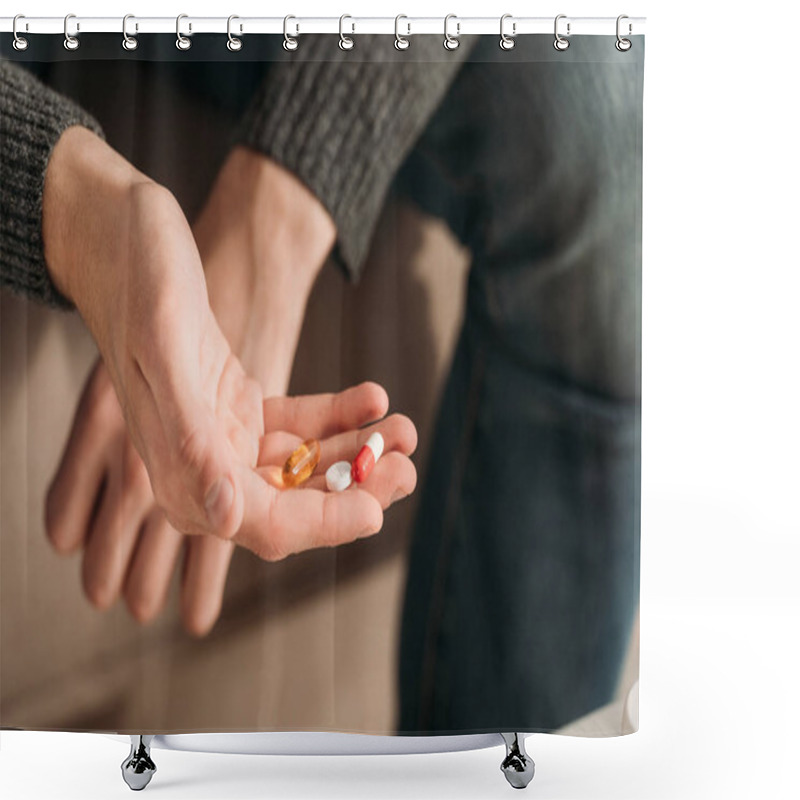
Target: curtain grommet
[234, 43]
[401, 42]
[289, 42]
[182, 42]
[129, 42]
[451, 42]
[622, 44]
[507, 40]
[71, 42]
[561, 43]
[20, 43]
[346, 42]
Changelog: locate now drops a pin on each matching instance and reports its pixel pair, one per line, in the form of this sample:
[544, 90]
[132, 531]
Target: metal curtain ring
[346, 42]
[400, 42]
[129, 42]
[451, 42]
[507, 42]
[234, 44]
[182, 42]
[20, 42]
[70, 42]
[560, 42]
[621, 44]
[289, 42]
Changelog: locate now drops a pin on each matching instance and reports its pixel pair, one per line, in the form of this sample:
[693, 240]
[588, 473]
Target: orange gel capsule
[301, 464]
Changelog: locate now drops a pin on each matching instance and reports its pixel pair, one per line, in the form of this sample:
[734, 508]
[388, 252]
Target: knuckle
[101, 402]
[192, 451]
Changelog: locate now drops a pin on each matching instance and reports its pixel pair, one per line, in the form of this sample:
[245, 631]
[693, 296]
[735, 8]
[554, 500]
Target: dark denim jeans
[524, 567]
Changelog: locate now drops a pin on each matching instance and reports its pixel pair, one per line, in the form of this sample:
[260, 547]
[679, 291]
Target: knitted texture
[32, 118]
[344, 125]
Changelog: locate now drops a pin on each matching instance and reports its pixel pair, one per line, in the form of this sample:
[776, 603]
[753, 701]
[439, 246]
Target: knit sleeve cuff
[343, 122]
[32, 118]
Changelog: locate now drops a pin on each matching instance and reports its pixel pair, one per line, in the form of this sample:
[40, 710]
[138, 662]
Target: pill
[301, 463]
[367, 458]
[338, 476]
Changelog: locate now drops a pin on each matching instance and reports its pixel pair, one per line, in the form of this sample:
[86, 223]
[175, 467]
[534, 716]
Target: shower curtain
[451, 238]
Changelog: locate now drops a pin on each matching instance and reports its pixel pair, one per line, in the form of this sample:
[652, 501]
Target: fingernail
[218, 502]
[398, 495]
[366, 532]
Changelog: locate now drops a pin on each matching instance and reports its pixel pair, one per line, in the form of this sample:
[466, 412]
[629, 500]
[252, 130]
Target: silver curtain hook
[560, 42]
[289, 42]
[20, 42]
[234, 44]
[451, 42]
[621, 44]
[70, 42]
[346, 42]
[401, 42]
[182, 42]
[507, 42]
[129, 42]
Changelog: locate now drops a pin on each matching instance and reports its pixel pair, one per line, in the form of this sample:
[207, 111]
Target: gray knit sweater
[343, 127]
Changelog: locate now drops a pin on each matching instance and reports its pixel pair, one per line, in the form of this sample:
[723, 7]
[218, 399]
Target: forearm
[263, 237]
[344, 122]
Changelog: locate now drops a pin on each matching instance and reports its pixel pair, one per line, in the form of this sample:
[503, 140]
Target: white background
[720, 546]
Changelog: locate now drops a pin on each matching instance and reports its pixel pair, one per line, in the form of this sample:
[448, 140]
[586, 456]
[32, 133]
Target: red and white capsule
[367, 458]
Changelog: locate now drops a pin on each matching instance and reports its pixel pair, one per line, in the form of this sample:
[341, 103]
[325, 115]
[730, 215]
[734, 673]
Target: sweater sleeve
[344, 126]
[32, 118]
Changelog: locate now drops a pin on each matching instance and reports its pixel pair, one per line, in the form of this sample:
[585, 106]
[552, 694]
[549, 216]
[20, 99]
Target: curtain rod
[188, 25]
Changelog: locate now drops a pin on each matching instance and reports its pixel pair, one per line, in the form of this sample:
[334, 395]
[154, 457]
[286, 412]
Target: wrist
[87, 186]
[263, 238]
[288, 230]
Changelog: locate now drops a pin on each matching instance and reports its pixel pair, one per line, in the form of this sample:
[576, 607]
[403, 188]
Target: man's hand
[119, 247]
[100, 499]
[262, 237]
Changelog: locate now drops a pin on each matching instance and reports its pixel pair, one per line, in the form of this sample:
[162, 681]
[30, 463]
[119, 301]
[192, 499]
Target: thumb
[203, 461]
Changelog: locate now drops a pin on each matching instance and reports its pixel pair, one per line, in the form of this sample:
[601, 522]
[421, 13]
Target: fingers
[322, 415]
[393, 478]
[278, 522]
[397, 430]
[114, 532]
[204, 574]
[150, 573]
[74, 492]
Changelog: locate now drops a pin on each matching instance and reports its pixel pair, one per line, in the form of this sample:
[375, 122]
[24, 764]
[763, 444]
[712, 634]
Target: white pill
[375, 443]
[338, 476]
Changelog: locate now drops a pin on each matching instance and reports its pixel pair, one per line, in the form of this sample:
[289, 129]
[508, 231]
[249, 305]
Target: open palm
[104, 505]
[309, 515]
